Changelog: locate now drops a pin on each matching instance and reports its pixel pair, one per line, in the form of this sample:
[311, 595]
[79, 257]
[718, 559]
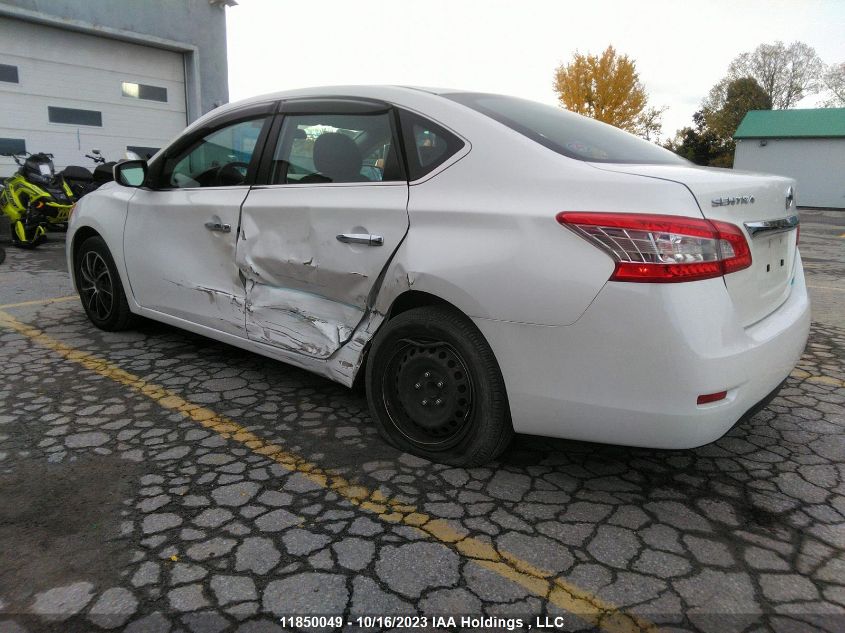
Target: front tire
[435, 389]
[100, 288]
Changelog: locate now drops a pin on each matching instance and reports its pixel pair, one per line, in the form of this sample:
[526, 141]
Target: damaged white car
[483, 264]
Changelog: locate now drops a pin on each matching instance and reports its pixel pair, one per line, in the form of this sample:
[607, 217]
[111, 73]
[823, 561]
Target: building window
[12, 146]
[143, 152]
[9, 73]
[74, 116]
[143, 91]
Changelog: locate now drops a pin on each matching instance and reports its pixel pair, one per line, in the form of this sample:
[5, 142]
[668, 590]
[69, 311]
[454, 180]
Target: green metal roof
[804, 123]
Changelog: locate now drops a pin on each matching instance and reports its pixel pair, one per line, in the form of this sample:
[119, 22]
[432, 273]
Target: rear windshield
[565, 132]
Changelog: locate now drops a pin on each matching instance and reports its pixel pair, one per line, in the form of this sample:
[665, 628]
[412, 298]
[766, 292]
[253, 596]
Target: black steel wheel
[427, 392]
[435, 388]
[99, 286]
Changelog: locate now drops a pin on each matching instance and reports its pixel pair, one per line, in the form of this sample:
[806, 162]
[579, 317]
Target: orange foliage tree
[607, 88]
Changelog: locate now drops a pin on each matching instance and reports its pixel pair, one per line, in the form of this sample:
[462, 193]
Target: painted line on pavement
[571, 598]
[37, 302]
[806, 376]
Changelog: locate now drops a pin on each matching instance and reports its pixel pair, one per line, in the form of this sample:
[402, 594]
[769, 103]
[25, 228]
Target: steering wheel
[231, 174]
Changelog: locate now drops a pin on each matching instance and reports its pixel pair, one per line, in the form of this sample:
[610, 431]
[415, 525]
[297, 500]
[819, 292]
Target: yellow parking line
[806, 376]
[36, 302]
[562, 594]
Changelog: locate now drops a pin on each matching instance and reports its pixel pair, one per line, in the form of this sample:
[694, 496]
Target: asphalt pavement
[154, 480]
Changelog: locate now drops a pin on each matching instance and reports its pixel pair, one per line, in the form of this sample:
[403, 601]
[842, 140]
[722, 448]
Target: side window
[219, 159]
[427, 144]
[324, 148]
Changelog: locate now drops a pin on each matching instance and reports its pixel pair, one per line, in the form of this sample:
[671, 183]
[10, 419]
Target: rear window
[565, 132]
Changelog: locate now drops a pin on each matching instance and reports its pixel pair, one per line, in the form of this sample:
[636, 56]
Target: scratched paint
[298, 321]
[225, 309]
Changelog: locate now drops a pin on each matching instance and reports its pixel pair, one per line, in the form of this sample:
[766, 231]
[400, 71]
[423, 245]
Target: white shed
[805, 144]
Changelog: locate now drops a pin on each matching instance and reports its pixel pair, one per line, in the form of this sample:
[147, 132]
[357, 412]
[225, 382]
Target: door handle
[361, 238]
[218, 226]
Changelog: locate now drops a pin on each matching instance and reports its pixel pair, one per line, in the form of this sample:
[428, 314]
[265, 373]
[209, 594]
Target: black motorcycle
[83, 181]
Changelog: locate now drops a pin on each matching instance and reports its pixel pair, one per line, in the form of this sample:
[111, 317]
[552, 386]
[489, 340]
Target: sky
[681, 48]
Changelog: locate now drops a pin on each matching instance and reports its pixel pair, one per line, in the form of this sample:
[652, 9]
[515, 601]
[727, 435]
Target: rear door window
[336, 148]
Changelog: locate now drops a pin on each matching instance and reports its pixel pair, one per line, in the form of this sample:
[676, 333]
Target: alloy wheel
[96, 285]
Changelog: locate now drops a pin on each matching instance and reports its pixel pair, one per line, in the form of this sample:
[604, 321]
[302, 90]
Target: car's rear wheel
[99, 286]
[435, 389]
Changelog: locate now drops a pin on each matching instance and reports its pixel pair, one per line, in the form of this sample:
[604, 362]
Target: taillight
[662, 248]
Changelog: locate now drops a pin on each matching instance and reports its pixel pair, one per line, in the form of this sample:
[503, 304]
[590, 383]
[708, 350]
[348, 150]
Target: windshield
[565, 132]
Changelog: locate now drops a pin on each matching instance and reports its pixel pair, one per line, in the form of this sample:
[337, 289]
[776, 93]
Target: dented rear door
[311, 247]
[305, 289]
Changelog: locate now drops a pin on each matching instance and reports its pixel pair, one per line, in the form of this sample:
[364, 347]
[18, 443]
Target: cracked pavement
[119, 511]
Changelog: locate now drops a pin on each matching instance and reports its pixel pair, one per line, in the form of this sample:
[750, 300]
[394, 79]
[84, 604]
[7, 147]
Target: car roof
[401, 95]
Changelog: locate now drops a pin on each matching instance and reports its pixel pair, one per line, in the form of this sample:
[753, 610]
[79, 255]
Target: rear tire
[435, 389]
[100, 288]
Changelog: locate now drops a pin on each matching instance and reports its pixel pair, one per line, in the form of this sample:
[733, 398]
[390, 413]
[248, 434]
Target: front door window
[220, 159]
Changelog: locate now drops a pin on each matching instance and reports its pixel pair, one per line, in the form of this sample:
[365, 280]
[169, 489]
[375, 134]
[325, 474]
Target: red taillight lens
[662, 248]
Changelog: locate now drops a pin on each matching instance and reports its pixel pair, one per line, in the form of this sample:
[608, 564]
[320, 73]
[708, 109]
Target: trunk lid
[758, 205]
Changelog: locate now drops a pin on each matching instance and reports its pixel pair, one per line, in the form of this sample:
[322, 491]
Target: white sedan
[482, 263]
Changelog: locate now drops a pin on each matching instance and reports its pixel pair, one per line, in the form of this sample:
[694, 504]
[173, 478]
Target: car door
[181, 232]
[315, 238]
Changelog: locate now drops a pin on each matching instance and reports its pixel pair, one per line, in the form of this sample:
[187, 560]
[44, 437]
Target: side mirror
[130, 173]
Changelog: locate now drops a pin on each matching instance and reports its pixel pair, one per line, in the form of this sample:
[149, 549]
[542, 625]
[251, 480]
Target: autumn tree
[834, 83]
[729, 102]
[710, 141]
[786, 73]
[607, 88]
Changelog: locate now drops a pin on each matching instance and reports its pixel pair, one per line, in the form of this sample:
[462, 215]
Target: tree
[607, 88]
[649, 124]
[698, 144]
[730, 101]
[786, 73]
[711, 142]
[834, 82]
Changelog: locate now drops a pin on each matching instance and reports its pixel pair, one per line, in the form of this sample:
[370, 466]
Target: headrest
[338, 157]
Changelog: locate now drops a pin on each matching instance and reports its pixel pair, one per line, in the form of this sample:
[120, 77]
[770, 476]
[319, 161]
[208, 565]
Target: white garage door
[66, 93]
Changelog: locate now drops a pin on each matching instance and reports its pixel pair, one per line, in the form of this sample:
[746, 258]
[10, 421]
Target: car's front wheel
[99, 286]
[435, 389]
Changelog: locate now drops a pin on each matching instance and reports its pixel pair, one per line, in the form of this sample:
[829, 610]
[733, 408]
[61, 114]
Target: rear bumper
[631, 369]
